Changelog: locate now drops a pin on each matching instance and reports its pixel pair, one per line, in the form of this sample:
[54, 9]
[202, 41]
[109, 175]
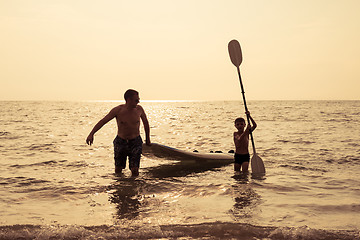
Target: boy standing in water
[241, 140]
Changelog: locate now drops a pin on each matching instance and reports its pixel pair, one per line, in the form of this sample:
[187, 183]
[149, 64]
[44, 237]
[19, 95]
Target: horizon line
[169, 100]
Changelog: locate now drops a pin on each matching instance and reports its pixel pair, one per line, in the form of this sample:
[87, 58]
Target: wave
[333, 208]
[4, 135]
[302, 168]
[296, 141]
[45, 163]
[23, 181]
[44, 190]
[47, 147]
[59, 163]
[346, 160]
[213, 230]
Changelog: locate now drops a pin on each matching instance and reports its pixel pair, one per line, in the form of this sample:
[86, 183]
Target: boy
[241, 140]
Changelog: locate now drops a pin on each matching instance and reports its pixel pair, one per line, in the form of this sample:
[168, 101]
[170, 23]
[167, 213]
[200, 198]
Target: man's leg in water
[135, 171]
[135, 155]
[118, 169]
[119, 155]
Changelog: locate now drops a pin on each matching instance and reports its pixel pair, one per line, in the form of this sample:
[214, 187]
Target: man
[128, 142]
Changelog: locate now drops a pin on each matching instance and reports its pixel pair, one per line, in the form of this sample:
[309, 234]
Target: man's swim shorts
[127, 148]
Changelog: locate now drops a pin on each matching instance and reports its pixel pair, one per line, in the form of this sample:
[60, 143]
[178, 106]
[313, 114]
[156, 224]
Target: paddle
[257, 164]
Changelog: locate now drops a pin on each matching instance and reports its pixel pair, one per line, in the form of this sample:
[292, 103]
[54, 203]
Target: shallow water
[52, 180]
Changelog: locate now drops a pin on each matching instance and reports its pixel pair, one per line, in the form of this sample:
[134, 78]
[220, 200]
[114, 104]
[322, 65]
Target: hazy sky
[177, 50]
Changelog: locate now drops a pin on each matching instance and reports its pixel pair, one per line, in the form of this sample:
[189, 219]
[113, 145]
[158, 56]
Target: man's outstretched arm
[100, 124]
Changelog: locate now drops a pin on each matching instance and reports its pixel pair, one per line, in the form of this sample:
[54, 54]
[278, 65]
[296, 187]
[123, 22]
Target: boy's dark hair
[129, 93]
[240, 119]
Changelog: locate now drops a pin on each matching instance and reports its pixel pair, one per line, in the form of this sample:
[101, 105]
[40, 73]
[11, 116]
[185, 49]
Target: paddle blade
[257, 164]
[235, 52]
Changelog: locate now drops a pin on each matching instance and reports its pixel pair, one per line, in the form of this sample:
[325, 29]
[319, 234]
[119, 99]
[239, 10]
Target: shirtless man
[128, 142]
[241, 141]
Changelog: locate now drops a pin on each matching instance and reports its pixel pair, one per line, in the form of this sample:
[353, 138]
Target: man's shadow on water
[182, 169]
[125, 193]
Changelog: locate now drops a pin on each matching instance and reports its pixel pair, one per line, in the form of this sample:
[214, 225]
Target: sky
[177, 50]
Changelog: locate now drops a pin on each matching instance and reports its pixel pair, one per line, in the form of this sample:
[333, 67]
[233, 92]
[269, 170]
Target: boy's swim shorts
[241, 158]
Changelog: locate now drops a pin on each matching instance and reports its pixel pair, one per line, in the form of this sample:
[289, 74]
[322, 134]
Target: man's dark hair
[129, 93]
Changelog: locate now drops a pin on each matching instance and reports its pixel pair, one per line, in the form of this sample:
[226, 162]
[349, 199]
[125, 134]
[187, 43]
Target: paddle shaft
[246, 109]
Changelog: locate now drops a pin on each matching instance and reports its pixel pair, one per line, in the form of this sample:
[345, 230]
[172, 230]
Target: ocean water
[54, 186]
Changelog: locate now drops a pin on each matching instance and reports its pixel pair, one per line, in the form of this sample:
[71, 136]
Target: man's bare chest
[128, 116]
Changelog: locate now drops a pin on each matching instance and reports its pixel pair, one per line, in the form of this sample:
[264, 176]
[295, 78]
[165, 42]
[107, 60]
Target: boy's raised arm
[254, 125]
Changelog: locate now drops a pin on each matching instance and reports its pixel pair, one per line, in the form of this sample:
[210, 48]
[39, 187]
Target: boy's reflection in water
[245, 198]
